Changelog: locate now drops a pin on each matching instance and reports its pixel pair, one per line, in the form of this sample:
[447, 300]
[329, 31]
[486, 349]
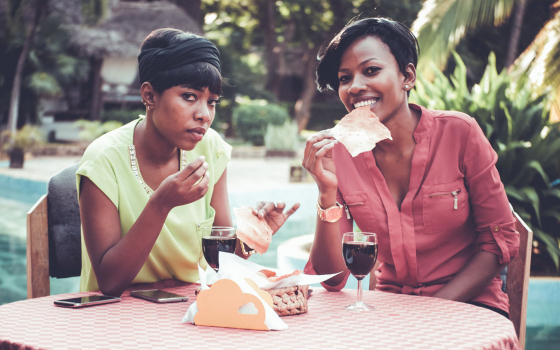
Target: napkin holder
[219, 306]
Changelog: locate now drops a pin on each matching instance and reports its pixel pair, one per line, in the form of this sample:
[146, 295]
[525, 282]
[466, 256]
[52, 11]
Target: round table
[398, 322]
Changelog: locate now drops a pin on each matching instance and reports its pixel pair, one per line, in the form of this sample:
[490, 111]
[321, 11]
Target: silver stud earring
[406, 87]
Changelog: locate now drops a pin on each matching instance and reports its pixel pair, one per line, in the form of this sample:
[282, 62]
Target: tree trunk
[515, 31]
[267, 23]
[96, 97]
[303, 104]
[16, 86]
[192, 9]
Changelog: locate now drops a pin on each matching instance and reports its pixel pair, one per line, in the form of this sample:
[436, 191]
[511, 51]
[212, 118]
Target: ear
[409, 77]
[148, 93]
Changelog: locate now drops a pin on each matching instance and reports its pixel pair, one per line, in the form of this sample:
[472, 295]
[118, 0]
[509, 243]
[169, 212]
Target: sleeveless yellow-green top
[177, 251]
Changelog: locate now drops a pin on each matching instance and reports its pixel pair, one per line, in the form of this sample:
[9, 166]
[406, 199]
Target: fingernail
[205, 165]
[203, 158]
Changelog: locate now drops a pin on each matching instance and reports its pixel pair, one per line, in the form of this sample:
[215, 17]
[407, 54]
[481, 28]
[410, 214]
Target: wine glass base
[359, 306]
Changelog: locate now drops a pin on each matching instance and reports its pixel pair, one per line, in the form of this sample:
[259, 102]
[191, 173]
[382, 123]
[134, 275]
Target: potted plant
[16, 144]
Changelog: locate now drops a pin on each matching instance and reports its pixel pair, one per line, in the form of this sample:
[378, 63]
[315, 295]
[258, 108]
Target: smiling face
[182, 115]
[369, 75]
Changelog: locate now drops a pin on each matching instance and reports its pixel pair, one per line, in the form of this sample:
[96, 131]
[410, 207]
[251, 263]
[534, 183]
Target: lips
[197, 133]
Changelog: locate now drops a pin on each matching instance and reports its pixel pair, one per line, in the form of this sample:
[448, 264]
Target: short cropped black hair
[395, 35]
[196, 75]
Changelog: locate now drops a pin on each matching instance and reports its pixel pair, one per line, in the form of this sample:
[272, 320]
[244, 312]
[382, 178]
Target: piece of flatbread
[252, 230]
[360, 130]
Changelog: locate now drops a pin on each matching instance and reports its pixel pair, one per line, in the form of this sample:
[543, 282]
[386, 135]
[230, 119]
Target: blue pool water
[17, 196]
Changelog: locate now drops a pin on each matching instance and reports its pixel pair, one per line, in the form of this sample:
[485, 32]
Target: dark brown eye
[189, 97]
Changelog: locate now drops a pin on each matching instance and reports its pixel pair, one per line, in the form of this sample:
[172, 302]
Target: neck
[154, 148]
[401, 125]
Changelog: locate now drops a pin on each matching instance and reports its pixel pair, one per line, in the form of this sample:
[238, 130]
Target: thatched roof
[128, 23]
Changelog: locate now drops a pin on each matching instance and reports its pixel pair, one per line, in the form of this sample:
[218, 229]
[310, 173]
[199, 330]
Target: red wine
[359, 257]
[212, 245]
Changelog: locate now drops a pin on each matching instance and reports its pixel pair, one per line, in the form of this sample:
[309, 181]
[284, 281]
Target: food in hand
[252, 230]
[360, 130]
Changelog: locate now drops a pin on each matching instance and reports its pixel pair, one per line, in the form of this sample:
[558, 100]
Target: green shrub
[123, 116]
[90, 130]
[282, 137]
[528, 146]
[250, 120]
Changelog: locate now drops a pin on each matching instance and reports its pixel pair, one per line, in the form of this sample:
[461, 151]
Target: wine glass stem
[359, 291]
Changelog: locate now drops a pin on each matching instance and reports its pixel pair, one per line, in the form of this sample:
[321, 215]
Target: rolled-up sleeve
[494, 220]
[345, 225]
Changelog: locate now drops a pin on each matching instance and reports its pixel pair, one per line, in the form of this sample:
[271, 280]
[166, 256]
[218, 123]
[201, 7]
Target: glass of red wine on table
[217, 239]
[359, 250]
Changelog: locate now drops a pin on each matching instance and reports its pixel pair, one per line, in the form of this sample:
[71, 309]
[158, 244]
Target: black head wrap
[194, 49]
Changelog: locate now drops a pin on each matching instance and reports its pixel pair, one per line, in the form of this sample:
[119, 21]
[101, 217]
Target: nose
[358, 85]
[202, 113]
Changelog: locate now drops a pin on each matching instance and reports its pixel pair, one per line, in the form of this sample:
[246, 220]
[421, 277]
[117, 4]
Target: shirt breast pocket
[203, 227]
[445, 206]
[358, 207]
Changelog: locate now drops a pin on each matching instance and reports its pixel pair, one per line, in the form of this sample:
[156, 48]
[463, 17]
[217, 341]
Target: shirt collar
[425, 125]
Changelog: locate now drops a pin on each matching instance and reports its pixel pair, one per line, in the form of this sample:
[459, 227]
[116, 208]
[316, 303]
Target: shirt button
[496, 228]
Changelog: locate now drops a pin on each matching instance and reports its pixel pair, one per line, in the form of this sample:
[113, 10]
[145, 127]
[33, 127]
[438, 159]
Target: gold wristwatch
[246, 251]
[331, 214]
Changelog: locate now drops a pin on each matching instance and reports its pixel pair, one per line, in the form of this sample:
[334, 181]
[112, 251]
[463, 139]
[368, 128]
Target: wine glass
[217, 239]
[359, 250]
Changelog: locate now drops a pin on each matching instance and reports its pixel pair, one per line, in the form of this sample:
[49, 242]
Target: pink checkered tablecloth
[399, 322]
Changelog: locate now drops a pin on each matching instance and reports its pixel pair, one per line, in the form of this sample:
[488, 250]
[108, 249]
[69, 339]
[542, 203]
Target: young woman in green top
[148, 189]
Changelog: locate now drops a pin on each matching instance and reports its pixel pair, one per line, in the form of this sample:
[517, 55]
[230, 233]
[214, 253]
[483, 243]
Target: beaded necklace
[136, 171]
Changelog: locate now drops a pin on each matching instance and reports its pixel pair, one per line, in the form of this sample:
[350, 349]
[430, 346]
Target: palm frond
[441, 24]
[541, 63]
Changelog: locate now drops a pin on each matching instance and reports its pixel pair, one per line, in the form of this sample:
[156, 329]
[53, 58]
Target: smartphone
[158, 296]
[87, 301]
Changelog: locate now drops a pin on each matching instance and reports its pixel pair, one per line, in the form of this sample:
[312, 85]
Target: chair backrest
[53, 234]
[517, 285]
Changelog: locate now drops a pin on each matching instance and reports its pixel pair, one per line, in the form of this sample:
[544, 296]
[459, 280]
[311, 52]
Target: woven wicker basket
[290, 300]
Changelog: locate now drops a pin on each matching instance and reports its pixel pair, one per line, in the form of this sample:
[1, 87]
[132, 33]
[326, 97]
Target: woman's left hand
[274, 213]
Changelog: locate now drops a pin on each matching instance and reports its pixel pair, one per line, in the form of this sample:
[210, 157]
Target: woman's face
[369, 75]
[182, 115]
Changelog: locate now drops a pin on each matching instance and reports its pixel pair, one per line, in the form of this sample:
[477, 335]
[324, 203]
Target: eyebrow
[361, 64]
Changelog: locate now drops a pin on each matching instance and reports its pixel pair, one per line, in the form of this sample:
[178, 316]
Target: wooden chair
[517, 281]
[517, 285]
[53, 234]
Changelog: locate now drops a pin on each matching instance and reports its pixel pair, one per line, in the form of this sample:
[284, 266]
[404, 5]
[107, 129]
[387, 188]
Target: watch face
[333, 214]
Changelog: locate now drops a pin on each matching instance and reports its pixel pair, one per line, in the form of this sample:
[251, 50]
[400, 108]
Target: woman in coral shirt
[432, 194]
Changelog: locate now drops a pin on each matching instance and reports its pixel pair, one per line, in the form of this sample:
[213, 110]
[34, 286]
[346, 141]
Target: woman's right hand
[317, 160]
[182, 188]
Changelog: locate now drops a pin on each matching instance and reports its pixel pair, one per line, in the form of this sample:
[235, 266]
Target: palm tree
[441, 24]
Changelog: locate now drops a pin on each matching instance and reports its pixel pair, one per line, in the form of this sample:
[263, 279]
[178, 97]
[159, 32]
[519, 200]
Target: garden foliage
[250, 120]
[91, 130]
[282, 137]
[528, 146]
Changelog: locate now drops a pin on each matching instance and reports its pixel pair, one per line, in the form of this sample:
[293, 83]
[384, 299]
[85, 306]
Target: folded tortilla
[360, 130]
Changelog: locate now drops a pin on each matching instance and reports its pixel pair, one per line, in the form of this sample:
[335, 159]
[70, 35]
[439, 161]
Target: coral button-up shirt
[455, 206]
